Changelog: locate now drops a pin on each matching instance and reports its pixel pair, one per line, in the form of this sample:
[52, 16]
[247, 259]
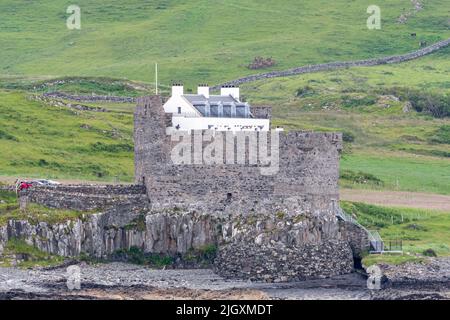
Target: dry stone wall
[340, 65]
[86, 197]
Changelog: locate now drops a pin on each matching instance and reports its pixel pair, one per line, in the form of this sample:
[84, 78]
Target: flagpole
[156, 78]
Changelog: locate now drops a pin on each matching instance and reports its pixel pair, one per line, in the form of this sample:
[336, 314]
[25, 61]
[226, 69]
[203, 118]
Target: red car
[23, 185]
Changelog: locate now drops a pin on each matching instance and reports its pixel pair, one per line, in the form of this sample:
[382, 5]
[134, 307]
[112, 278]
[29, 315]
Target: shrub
[305, 91]
[435, 104]
[442, 135]
[361, 177]
[429, 253]
[347, 136]
[137, 256]
[103, 147]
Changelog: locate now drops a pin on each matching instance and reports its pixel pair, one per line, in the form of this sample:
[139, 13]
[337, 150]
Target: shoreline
[121, 281]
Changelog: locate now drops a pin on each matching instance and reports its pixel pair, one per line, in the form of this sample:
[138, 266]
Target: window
[227, 111]
[240, 111]
[179, 110]
[202, 109]
[214, 111]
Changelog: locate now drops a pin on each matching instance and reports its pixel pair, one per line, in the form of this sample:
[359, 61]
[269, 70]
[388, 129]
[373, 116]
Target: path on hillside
[340, 65]
[418, 200]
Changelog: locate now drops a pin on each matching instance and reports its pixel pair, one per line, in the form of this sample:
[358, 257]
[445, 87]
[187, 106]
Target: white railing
[375, 240]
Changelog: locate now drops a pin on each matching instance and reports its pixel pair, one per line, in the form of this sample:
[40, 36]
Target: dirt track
[398, 199]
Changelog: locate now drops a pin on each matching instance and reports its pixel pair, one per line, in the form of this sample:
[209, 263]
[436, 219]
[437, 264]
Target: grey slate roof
[195, 98]
[198, 101]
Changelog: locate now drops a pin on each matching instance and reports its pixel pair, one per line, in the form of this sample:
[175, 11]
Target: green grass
[37, 213]
[34, 213]
[138, 256]
[62, 143]
[393, 259]
[418, 229]
[202, 40]
[7, 197]
[30, 255]
[400, 172]
[405, 151]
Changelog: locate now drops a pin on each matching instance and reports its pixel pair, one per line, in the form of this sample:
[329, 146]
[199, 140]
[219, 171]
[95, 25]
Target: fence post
[23, 203]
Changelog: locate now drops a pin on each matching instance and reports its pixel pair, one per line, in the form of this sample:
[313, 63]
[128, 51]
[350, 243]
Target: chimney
[230, 91]
[177, 89]
[203, 89]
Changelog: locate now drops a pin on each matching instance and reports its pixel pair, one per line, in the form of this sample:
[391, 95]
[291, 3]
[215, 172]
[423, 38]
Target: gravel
[127, 281]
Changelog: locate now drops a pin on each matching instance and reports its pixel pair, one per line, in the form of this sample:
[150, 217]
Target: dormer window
[214, 110]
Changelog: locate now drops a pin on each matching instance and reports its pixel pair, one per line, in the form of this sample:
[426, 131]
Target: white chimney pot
[177, 90]
[230, 91]
[203, 90]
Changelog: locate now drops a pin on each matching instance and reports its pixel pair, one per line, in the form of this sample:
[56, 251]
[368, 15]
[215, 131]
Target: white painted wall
[171, 106]
[220, 124]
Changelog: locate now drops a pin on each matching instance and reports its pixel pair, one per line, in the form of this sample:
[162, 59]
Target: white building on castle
[202, 111]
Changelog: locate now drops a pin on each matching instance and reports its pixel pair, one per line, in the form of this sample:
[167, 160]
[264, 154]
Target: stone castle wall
[308, 166]
[86, 197]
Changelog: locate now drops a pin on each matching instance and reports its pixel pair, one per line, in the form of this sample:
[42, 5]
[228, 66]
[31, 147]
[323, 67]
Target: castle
[280, 226]
[286, 220]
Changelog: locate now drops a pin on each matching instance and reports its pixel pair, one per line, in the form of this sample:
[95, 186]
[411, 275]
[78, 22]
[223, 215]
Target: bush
[442, 135]
[113, 148]
[361, 177]
[429, 253]
[305, 91]
[433, 103]
[137, 256]
[372, 216]
[348, 136]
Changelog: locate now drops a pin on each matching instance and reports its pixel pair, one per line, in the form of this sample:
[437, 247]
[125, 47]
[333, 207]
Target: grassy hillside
[405, 150]
[419, 230]
[41, 140]
[203, 40]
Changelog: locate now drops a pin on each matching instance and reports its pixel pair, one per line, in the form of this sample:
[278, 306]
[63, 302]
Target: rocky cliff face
[101, 234]
[276, 247]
